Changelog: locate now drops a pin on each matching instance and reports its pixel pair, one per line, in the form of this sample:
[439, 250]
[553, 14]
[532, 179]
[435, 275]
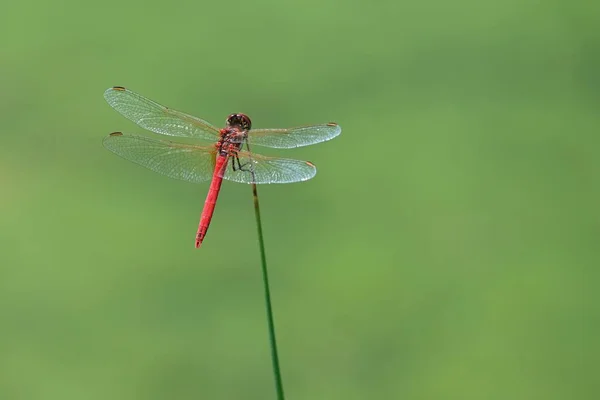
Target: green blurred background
[447, 248]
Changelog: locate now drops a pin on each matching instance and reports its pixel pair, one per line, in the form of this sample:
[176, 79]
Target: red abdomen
[211, 199]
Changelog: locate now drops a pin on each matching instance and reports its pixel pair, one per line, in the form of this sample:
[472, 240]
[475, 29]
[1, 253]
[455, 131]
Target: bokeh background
[447, 248]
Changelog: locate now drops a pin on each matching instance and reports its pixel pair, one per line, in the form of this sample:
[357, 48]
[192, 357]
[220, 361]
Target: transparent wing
[175, 160]
[260, 169]
[294, 137]
[156, 118]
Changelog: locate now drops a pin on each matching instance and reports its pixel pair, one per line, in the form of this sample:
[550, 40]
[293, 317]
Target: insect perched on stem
[224, 159]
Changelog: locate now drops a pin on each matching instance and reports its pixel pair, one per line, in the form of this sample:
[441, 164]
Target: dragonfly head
[241, 121]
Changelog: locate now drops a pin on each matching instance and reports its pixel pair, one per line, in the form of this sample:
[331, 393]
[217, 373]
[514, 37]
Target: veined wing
[156, 118]
[175, 160]
[294, 137]
[261, 169]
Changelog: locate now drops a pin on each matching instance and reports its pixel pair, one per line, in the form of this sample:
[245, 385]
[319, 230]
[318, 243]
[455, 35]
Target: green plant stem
[272, 340]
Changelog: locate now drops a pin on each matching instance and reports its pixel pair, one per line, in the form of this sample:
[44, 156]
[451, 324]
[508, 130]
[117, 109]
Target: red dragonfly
[225, 159]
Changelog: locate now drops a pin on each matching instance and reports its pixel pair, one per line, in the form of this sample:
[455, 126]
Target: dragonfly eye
[239, 120]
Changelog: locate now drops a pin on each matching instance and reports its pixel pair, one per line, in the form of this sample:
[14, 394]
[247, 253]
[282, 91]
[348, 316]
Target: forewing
[175, 160]
[156, 118]
[260, 169]
[294, 137]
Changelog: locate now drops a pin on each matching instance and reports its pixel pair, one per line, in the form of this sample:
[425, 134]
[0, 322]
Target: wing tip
[313, 172]
[110, 91]
[107, 142]
[337, 128]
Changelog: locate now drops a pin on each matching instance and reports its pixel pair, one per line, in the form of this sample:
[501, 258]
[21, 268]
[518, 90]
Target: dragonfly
[223, 159]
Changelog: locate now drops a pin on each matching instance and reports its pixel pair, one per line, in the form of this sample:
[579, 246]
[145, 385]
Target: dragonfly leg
[240, 167]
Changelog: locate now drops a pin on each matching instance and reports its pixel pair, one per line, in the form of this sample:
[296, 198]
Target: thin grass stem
[271, 323]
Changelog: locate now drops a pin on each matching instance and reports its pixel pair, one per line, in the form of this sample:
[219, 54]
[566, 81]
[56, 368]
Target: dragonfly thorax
[231, 140]
[240, 121]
